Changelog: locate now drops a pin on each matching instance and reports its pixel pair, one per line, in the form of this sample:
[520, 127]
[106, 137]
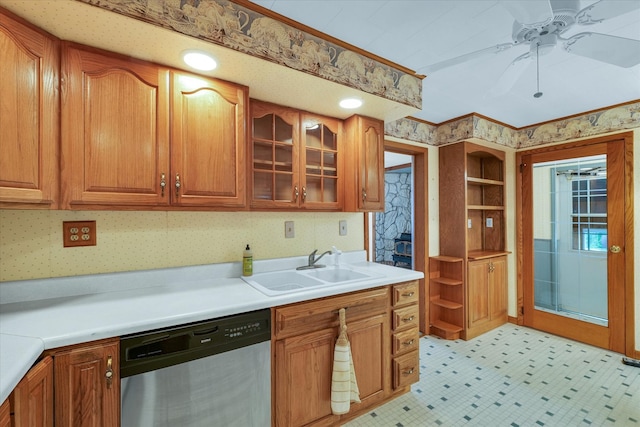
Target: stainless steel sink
[288, 281]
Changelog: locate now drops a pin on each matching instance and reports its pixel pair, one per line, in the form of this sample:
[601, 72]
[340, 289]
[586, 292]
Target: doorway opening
[417, 157]
[394, 227]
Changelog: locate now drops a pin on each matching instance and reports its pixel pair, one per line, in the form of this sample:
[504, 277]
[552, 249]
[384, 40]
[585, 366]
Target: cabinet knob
[296, 193]
[364, 195]
[178, 185]
[615, 249]
[304, 194]
[408, 319]
[109, 372]
[408, 371]
[163, 183]
[491, 267]
[408, 294]
[408, 343]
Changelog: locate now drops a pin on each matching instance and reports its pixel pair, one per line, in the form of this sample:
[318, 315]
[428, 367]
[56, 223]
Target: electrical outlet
[289, 230]
[343, 227]
[489, 222]
[78, 233]
[469, 223]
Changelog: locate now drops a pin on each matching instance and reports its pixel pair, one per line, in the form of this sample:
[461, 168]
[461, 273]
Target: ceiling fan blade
[510, 75]
[531, 14]
[614, 50]
[465, 58]
[604, 9]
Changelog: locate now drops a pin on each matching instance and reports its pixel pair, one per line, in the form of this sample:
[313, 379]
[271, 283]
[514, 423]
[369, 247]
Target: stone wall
[396, 218]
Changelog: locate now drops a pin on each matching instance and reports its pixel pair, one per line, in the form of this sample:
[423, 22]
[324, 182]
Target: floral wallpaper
[228, 24]
[473, 126]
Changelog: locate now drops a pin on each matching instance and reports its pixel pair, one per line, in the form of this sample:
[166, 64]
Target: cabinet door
[33, 396]
[303, 378]
[5, 414]
[321, 162]
[372, 164]
[115, 130]
[478, 293]
[207, 142]
[304, 367]
[29, 118]
[275, 144]
[364, 171]
[87, 386]
[498, 288]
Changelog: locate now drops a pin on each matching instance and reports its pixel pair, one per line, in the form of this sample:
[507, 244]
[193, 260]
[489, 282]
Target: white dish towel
[344, 387]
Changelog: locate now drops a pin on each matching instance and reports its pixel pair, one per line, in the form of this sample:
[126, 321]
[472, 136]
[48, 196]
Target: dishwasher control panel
[160, 348]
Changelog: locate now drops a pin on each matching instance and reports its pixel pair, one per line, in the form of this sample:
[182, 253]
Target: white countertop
[123, 303]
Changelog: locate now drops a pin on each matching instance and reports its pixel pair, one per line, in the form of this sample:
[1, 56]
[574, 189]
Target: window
[589, 214]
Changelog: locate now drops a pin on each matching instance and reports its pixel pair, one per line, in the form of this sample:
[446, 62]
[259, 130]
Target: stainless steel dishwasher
[211, 373]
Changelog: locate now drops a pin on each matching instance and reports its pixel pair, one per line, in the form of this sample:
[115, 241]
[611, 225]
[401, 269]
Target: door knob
[615, 249]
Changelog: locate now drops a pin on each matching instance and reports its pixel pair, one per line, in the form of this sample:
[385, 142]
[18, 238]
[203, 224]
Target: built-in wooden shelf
[446, 304]
[447, 281]
[483, 181]
[485, 208]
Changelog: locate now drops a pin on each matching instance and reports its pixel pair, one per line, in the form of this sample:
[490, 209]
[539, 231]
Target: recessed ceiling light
[199, 60]
[351, 103]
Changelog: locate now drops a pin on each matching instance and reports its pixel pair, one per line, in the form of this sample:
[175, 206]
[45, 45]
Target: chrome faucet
[313, 260]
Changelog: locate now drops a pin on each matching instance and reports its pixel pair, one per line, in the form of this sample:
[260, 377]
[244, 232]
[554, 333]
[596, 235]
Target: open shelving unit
[446, 296]
[472, 231]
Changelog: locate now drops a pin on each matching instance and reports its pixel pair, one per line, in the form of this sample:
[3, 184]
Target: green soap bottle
[247, 262]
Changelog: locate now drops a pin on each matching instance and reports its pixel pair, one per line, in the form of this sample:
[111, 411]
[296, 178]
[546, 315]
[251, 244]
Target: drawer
[406, 369]
[405, 293]
[405, 318]
[322, 313]
[403, 342]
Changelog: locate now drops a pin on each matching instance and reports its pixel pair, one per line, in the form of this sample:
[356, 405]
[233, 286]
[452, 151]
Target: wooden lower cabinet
[32, 399]
[5, 414]
[486, 295]
[405, 327]
[383, 340]
[304, 390]
[87, 385]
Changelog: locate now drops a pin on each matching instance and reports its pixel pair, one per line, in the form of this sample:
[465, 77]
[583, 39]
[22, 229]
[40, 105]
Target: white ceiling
[418, 33]
[412, 33]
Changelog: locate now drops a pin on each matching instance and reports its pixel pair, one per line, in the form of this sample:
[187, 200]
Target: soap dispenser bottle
[247, 262]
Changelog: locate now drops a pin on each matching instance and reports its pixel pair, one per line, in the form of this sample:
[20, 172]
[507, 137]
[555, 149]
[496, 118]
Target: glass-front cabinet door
[275, 143]
[320, 181]
[295, 159]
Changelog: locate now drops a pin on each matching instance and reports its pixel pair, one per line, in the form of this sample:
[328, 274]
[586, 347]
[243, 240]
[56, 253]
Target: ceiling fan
[540, 25]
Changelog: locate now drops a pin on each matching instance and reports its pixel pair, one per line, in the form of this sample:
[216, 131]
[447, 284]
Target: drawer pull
[408, 319]
[407, 371]
[408, 294]
[410, 342]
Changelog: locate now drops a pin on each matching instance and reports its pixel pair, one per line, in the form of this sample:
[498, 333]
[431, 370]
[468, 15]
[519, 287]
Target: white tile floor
[514, 376]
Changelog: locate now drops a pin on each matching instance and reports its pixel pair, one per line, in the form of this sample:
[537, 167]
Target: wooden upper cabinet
[29, 112]
[115, 130]
[207, 142]
[296, 159]
[364, 187]
[322, 162]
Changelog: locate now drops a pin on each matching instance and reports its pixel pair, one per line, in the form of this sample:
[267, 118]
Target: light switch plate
[489, 222]
[343, 227]
[289, 230]
[469, 223]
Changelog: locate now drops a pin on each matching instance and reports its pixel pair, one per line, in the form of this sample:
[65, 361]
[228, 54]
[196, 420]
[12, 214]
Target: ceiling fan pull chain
[538, 94]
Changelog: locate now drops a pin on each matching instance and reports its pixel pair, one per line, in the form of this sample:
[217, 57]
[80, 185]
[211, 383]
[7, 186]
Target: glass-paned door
[573, 233]
[570, 238]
